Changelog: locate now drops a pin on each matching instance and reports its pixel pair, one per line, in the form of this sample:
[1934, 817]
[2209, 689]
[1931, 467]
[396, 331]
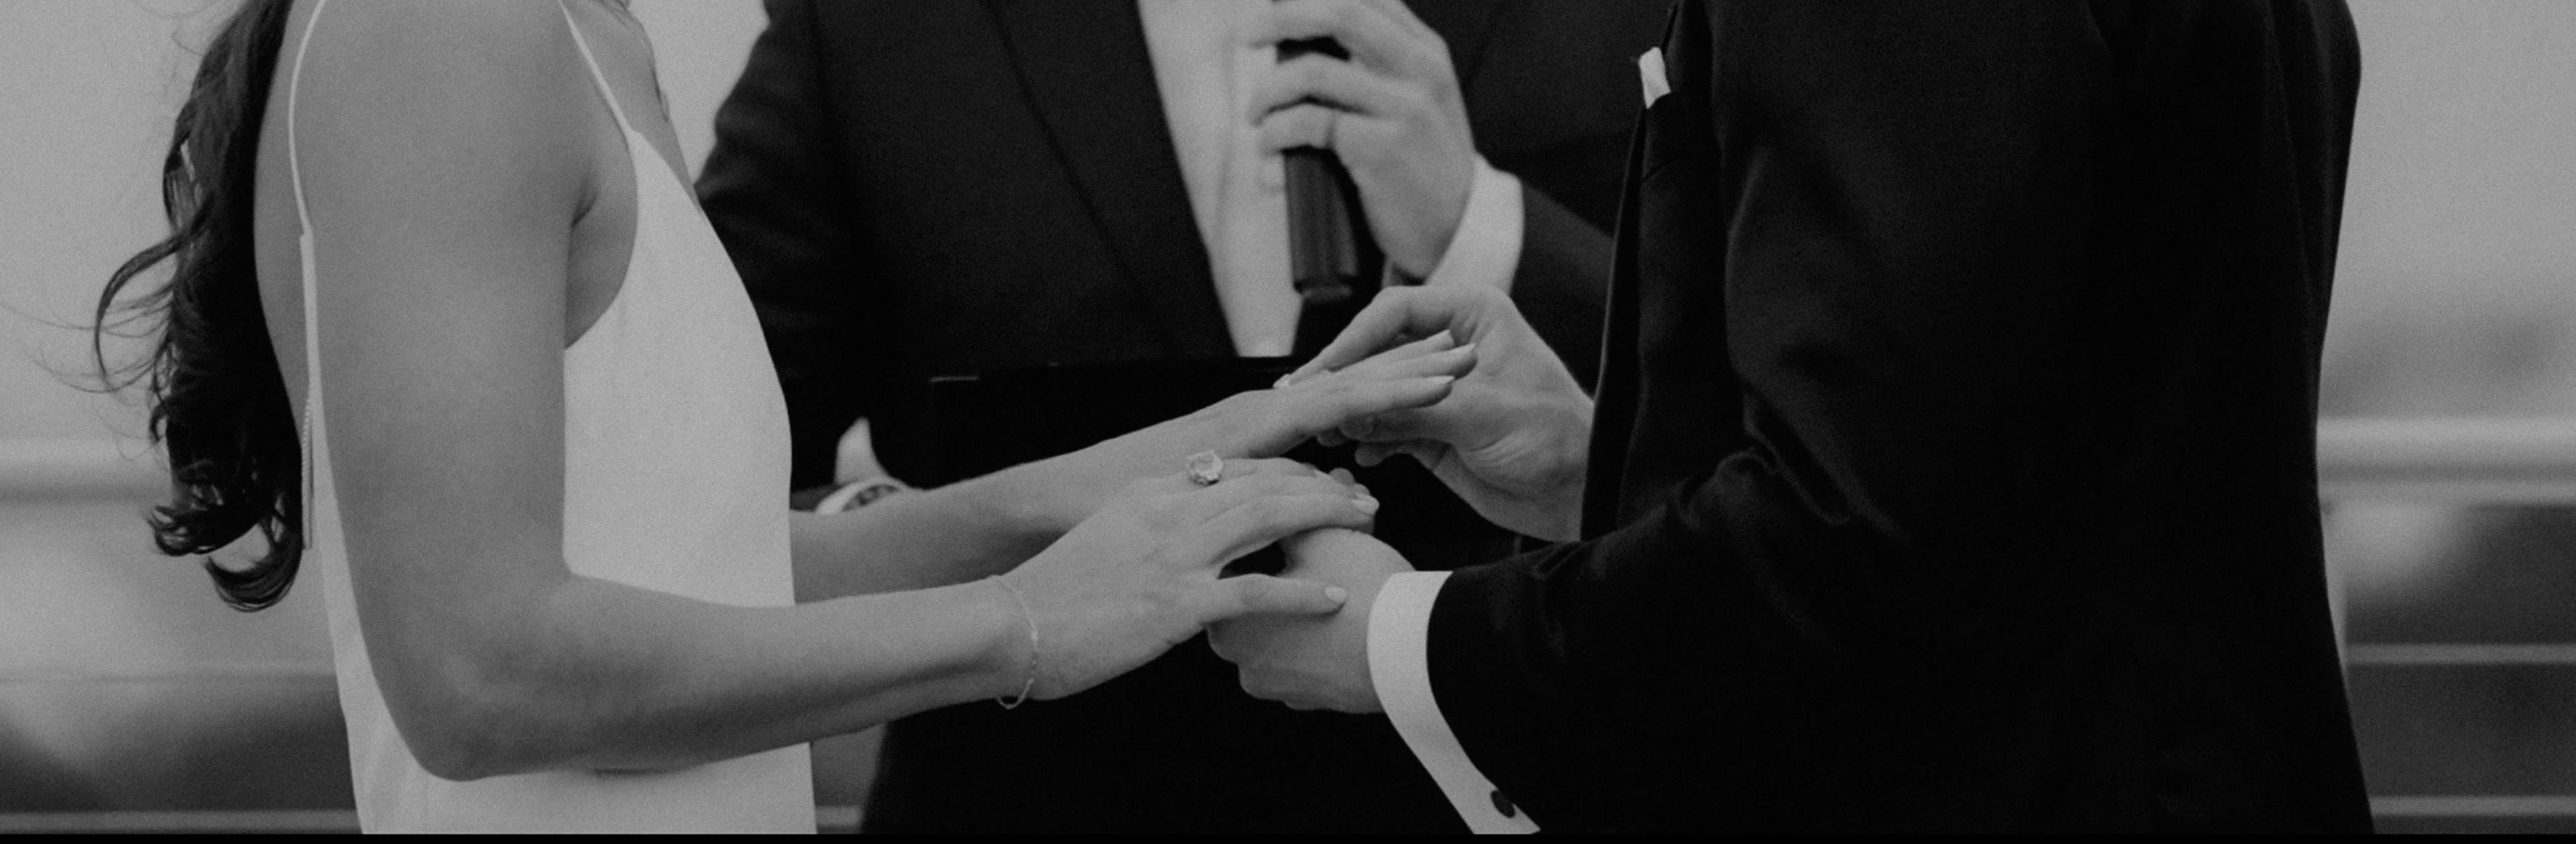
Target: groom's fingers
[1422, 451]
[1469, 416]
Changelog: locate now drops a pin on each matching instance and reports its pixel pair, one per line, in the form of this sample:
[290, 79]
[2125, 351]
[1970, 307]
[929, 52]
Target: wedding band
[1206, 468]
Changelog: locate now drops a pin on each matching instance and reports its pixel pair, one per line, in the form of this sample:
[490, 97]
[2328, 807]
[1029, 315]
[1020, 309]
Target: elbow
[452, 760]
[468, 726]
[461, 748]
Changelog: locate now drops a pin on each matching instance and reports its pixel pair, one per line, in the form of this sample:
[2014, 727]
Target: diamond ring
[1206, 468]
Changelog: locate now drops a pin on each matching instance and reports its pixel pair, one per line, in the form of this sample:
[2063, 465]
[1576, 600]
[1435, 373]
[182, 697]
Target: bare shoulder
[495, 30]
[447, 88]
[483, 64]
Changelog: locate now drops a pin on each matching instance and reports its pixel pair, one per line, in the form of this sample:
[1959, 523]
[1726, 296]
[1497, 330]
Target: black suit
[1954, 466]
[916, 189]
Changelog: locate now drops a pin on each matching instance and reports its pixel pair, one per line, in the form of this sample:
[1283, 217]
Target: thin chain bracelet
[1032, 621]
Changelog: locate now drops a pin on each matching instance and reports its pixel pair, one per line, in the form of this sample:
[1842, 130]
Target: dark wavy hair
[217, 399]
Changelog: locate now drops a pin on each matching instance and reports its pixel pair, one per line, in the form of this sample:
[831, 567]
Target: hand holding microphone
[1388, 109]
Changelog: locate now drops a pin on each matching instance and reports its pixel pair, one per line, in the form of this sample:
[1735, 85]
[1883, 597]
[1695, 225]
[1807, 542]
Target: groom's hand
[1055, 494]
[1319, 661]
[1511, 438]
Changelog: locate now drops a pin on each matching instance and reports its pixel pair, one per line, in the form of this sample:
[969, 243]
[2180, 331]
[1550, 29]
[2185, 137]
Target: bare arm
[447, 153]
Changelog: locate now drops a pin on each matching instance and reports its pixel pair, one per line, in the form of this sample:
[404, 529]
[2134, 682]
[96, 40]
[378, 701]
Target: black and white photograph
[1287, 416]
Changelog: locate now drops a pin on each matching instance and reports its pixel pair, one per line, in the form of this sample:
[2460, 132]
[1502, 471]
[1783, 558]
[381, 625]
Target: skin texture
[473, 208]
[1511, 439]
[1318, 661]
[1392, 112]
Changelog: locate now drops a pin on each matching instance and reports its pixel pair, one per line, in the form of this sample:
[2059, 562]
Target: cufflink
[1504, 805]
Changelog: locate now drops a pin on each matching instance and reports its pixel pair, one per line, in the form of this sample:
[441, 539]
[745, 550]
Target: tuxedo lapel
[1087, 71]
[1615, 399]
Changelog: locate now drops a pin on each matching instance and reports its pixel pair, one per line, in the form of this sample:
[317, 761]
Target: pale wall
[87, 90]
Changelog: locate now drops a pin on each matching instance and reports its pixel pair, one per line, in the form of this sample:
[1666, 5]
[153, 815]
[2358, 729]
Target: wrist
[1008, 659]
[1011, 505]
[1436, 242]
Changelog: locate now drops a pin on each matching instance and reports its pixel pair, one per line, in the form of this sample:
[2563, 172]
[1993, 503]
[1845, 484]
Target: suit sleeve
[775, 193]
[1564, 267]
[1904, 192]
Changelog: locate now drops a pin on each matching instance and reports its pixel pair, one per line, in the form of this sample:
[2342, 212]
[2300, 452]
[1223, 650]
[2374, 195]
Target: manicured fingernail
[1338, 594]
[1463, 349]
[1365, 504]
[1284, 381]
[1441, 380]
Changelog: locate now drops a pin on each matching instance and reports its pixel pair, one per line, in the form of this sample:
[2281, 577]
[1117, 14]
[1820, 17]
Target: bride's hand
[1058, 492]
[1140, 575]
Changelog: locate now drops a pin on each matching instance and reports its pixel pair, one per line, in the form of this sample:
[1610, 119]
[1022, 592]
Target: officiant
[958, 188]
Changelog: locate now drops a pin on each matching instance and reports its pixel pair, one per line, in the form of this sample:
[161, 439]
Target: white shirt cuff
[1398, 653]
[1487, 246]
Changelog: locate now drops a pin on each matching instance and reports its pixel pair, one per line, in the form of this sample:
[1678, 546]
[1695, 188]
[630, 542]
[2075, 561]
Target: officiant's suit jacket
[945, 187]
[1954, 465]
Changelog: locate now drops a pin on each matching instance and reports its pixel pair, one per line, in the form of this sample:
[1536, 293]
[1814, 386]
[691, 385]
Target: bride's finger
[1377, 364]
[1206, 504]
[1394, 313]
[1261, 594]
[1230, 468]
[1434, 344]
[1326, 406]
[1263, 520]
[1245, 467]
[1455, 362]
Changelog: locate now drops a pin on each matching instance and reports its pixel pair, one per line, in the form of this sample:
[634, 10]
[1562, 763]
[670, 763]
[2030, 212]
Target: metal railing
[2450, 460]
[827, 820]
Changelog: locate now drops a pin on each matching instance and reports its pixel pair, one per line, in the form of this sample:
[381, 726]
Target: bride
[444, 322]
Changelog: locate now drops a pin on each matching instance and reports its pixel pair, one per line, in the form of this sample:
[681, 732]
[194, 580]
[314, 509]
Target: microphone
[1331, 257]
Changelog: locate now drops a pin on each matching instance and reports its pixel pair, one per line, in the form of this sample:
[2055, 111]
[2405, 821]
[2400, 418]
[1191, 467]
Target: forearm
[935, 537]
[601, 676]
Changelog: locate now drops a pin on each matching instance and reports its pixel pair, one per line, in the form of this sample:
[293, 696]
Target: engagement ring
[1206, 468]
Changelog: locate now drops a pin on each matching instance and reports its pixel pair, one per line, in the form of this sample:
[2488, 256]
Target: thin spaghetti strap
[592, 60]
[312, 307]
[303, 215]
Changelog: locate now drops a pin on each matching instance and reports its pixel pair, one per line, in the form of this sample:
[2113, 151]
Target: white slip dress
[675, 480]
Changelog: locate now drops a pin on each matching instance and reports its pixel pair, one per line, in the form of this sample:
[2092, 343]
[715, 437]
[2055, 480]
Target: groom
[1954, 460]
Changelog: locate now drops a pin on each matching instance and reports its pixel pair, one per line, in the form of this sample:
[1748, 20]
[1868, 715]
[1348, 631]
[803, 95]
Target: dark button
[1504, 805]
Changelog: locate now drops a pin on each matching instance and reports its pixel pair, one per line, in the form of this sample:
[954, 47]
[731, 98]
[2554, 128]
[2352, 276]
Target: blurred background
[130, 698]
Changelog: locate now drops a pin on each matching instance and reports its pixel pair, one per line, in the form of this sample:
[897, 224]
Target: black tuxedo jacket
[947, 187]
[1954, 466]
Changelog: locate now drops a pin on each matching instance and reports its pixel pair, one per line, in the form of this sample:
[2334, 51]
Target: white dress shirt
[1207, 78]
[1400, 631]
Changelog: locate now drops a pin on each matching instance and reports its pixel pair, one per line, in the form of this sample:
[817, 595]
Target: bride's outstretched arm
[448, 151]
[986, 525]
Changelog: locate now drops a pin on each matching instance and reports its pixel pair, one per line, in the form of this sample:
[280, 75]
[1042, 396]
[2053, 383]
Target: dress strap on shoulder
[592, 60]
[310, 431]
[294, 85]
